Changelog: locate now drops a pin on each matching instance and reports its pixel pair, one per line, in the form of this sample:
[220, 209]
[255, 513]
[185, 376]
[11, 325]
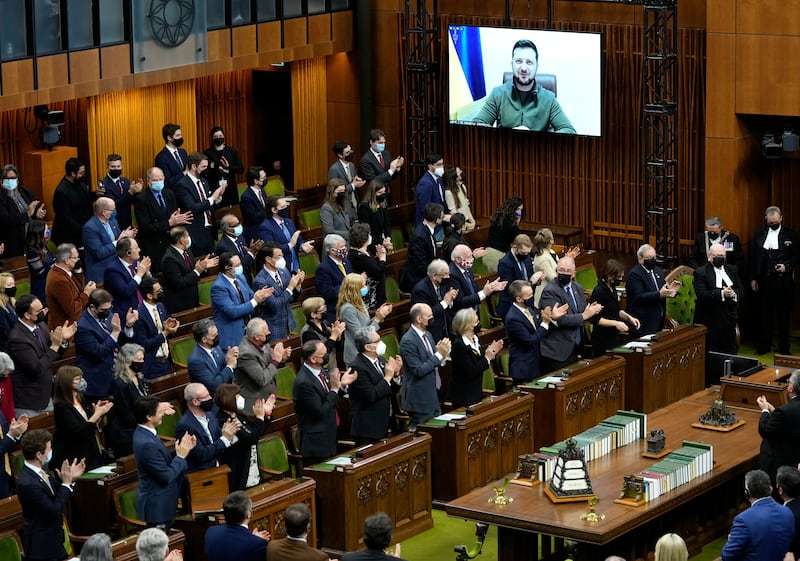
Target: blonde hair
[464, 319]
[311, 305]
[350, 293]
[671, 547]
[3, 280]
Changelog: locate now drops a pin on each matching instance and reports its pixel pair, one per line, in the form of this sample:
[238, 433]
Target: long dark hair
[506, 215]
[34, 238]
[450, 184]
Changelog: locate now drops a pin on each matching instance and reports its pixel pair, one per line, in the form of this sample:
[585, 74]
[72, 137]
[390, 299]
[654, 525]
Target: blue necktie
[160, 200]
[109, 231]
[575, 307]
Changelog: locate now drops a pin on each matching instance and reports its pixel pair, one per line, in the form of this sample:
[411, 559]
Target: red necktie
[380, 159]
[186, 258]
[132, 269]
[327, 389]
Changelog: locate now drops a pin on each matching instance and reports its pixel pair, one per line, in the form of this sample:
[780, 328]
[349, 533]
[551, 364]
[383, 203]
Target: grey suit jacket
[560, 342]
[355, 320]
[254, 372]
[419, 373]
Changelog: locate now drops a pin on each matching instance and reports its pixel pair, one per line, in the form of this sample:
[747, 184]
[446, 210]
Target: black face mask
[713, 235]
[78, 265]
[774, 225]
[718, 261]
[325, 359]
[102, 315]
[114, 173]
[530, 303]
[137, 366]
[158, 296]
[215, 341]
[10, 292]
[207, 405]
[349, 157]
[522, 256]
[380, 198]
[616, 282]
[177, 142]
[340, 198]
[218, 141]
[284, 213]
[40, 317]
[649, 264]
[564, 279]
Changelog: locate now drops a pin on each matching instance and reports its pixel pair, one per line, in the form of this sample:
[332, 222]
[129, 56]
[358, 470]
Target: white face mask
[280, 263]
[369, 239]
[239, 403]
[381, 348]
[438, 172]
[188, 242]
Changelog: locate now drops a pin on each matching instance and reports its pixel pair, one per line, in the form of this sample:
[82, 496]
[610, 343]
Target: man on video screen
[522, 103]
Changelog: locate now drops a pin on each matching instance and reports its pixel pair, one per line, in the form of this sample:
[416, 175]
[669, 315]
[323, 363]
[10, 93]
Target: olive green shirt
[511, 108]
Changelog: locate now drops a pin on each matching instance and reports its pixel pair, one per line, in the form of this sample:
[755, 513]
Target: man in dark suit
[160, 471]
[526, 328]
[331, 271]
[233, 241]
[315, 398]
[377, 163]
[422, 357]
[181, 272]
[295, 546]
[100, 237]
[377, 537]
[156, 213]
[421, 248]
[429, 188]
[372, 393]
[344, 168]
[566, 339]
[461, 277]
[208, 364]
[787, 482]
[153, 328]
[764, 531]
[99, 333]
[714, 233]
[647, 292]
[779, 428]
[72, 204]
[172, 158]
[718, 290]
[281, 230]
[120, 189]
[43, 498]
[124, 274]
[516, 264]
[212, 440]
[66, 293]
[435, 291]
[233, 540]
[774, 260]
[33, 349]
[193, 193]
[11, 433]
[253, 202]
[277, 309]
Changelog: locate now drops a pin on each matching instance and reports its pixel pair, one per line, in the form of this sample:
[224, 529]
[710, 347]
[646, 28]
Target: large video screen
[525, 79]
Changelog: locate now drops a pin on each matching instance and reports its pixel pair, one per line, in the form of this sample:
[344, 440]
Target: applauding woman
[351, 310]
[611, 321]
[469, 362]
[77, 421]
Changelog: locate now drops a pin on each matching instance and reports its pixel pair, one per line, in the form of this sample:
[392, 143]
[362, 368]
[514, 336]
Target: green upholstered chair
[309, 263]
[587, 278]
[681, 308]
[392, 344]
[488, 381]
[10, 546]
[299, 319]
[479, 268]
[392, 290]
[398, 241]
[275, 461]
[169, 423]
[180, 349]
[204, 290]
[284, 380]
[23, 288]
[274, 186]
[125, 508]
[309, 218]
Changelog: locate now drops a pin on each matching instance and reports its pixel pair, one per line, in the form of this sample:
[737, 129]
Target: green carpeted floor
[447, 532]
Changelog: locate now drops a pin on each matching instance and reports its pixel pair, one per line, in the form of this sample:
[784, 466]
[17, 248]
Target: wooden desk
[672, 367]
[92, 506]
[396, 480]
[699, 511]
[770, 381]
[594, 392]
[469, 453]
[270, 500]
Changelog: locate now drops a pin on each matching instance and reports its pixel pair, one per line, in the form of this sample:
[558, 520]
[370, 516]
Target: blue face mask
[49, 456]
[380, 147]
[157, 186]
[364, 291]
[10, 184]
[518, 213]
[238, 270]
[114, 213]
[237, 230]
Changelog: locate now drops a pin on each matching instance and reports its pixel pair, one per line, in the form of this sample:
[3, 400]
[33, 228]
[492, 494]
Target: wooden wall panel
[244, 40]
[17, 76]
[767, 74]
[84, 66]
[269, 36]
[53, 71]
[115, 61]
[721, 114]
[219, 44]
[295, 33]
[767, 17]
[319, 28]
[342, 31]
[720, 16]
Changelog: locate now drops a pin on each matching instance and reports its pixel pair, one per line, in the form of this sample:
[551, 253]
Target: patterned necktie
[278, 280]
[327, 389]
[202, 194]
[160, 328]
